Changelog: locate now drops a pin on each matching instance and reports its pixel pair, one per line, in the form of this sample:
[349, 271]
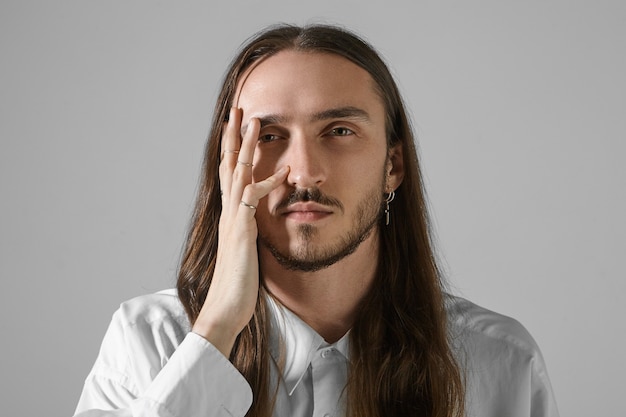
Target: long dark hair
[401, 361]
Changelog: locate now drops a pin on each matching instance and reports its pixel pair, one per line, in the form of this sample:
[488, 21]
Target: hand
[232, 297]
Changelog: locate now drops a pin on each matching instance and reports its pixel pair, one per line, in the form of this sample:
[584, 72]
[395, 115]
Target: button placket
[329, 372]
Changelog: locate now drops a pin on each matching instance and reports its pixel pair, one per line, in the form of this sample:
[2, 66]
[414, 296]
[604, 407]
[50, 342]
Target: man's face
[320, 114]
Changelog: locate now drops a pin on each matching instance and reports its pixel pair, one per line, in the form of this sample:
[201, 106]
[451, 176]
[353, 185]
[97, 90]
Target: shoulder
[152, 319]
[142, 335]
[473, 323]
[503, 366]
[153, 308]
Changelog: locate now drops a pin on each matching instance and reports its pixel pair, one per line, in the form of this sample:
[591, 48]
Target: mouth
[307, 212]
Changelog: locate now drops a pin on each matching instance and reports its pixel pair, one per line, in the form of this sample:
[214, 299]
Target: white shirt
[151, 364]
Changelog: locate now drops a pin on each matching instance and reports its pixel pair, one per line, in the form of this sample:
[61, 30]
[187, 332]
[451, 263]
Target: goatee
[311, 257]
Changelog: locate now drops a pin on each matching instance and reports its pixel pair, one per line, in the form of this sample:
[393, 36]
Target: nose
[306, 162]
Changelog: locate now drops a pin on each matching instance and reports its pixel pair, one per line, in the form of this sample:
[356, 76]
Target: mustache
[308, 194]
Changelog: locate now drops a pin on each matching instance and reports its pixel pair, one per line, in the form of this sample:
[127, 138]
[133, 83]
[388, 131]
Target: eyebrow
[347, 112]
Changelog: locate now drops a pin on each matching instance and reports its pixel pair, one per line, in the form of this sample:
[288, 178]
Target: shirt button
[324, 355]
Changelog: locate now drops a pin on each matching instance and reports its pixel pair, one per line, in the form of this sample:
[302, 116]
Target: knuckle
[250, 193]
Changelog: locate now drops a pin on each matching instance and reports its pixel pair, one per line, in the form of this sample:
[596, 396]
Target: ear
[394, 170]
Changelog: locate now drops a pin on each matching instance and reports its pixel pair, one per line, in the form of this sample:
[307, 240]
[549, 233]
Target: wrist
[220, 336]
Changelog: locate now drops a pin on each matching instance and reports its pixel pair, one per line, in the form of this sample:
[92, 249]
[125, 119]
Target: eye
[268, 138]
[341, 131]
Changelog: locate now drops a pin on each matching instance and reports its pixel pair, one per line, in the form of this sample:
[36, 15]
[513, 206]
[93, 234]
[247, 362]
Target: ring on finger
[231, 151]
[248, 164]
[250, 206]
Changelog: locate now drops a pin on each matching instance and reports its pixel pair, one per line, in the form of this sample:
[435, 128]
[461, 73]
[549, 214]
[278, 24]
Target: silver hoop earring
[388, 200]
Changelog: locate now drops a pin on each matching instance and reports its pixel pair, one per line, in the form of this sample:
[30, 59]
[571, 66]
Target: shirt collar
[294, 343]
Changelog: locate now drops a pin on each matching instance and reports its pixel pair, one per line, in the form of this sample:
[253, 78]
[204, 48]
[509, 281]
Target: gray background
[520, 112]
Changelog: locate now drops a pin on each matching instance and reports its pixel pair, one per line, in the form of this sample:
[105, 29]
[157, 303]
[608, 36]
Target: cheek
[364, 172]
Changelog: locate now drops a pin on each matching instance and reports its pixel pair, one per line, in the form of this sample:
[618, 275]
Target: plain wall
[520, 111]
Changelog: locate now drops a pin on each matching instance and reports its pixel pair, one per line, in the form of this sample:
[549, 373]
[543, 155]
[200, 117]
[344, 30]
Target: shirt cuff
[199, 380]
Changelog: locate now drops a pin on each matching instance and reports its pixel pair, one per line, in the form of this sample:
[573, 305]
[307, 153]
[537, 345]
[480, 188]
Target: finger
[248, 144]
[232, 135]
[253, 193]
[242, 174]
[231, 140]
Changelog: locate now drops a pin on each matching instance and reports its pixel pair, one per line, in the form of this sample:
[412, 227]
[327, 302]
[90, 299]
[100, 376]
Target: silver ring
[250, 206]
[248, 164]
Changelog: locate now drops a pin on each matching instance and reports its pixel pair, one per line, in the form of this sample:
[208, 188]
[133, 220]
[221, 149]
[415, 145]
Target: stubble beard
[309, 257]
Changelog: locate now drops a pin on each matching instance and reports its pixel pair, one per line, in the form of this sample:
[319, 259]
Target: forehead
[295, 81]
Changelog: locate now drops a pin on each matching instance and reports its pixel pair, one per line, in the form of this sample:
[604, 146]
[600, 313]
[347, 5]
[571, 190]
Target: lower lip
[307, 216]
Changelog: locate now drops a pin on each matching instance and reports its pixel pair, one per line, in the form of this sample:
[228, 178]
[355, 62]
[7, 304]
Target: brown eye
[341, 131]
[267, 138]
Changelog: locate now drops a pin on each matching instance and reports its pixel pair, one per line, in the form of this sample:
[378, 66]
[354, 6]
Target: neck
[328, 300]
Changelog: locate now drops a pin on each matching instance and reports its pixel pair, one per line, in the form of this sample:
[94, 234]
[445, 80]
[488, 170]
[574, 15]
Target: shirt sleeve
[542, 400]
[135, 377]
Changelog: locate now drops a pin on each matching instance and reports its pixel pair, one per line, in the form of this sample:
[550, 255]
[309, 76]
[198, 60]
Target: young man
[308, 286]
